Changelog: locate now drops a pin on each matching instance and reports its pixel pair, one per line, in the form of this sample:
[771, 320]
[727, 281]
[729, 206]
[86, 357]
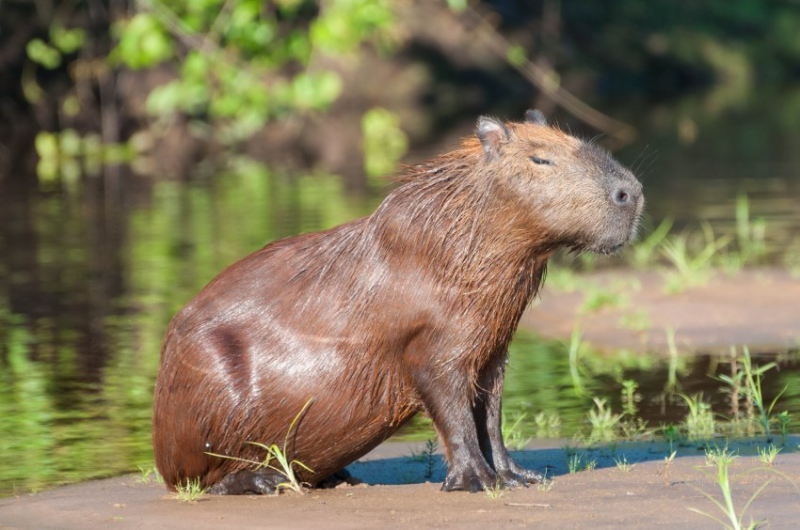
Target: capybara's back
[352, 331]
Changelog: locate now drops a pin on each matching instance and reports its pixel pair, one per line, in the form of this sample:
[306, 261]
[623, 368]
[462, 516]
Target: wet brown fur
[408, 309]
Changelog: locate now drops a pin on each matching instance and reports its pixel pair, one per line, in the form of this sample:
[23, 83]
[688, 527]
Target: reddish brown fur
[409, 309]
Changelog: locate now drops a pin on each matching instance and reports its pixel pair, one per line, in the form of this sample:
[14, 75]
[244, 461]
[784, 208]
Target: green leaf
[516, 55]
[46, 145]
[457, 5]
[384, 141]
[143, 42]
[165, 99]
[42, 53]
[67, 40]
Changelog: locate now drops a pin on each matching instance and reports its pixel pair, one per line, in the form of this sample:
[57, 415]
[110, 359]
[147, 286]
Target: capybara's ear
[492, 135]
[535, 117]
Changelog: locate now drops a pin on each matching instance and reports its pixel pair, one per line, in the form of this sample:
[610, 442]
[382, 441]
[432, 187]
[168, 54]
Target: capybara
[409, 309]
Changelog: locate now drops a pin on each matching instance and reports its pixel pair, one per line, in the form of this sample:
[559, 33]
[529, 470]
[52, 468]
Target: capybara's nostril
[621, 197]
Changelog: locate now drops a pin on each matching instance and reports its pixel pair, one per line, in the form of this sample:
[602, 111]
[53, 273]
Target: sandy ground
[644, 497]
[759, 308]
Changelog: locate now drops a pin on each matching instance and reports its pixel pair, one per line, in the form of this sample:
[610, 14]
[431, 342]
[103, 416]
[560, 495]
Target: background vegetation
[112, 81]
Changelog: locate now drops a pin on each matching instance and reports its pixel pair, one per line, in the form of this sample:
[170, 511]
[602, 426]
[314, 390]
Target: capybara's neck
[449, 216]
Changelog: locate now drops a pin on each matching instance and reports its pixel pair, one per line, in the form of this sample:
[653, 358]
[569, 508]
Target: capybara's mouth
[607, 250]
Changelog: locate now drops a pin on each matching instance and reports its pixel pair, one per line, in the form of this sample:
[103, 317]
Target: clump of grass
[700, 420]
[750, 238]
[691, 267]
[734, 382]
[633, 429]
[574, 463]
[147, 472]
[548, 425]
[668, 460]
[496, 491]
[590, 464]
[631, 425]
[604, 422]
[783, 420]
[546, 484]
[189, 491]
[637, 321]
[623, 464]
[722, 459]
[597, 298]
[427, 455]
[752, 388]
[767, 454]
[644, 253]
[671, 434]
[283, 466]
[512, 432]
[630, 398]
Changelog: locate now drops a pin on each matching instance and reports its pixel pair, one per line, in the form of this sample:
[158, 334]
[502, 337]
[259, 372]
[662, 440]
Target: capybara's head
[573, 191]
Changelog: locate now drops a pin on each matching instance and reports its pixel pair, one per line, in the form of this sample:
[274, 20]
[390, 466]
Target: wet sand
[759, 308]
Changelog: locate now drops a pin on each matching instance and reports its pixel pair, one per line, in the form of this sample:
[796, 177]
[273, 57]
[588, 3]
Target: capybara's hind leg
[260, 482]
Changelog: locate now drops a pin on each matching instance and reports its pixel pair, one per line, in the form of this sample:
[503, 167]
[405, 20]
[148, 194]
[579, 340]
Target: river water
[91, 274]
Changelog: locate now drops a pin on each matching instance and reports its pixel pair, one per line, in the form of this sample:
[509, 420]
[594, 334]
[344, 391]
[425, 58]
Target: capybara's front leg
[488, 415]
[510, 473]
[452, 416]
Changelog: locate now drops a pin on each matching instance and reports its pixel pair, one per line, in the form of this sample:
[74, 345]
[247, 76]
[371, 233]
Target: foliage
[513, 431]
[767, 454]
[384, 142]
[234, 65]
[700, 420]
[241, 63]
[427, 456]
[189, 491]
[285, 466]
[752, 389]
[722, 459]
[604, 423]
[623, 464]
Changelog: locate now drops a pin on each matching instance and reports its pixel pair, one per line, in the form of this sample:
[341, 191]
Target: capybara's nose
[621, 196]
[626, 195]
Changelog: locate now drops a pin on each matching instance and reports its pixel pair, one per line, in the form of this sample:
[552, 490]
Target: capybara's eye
[542, 161]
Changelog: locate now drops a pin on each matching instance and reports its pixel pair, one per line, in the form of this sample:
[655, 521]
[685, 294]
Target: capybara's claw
[470, 480]
[512, 480]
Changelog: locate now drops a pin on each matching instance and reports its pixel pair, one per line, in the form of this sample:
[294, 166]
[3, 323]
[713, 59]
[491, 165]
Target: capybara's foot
[340, 477]
[527, 476]
[469, 479]
[260, 482]
[511, 480]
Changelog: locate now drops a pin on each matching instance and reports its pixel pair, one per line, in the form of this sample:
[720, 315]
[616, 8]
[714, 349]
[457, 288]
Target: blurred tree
[223, 69]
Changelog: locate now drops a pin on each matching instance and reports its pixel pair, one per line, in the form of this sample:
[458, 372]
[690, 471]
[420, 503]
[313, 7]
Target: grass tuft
[496, 491]
[767, 454]
[722, 459]
[623, 464]
[283, 466]
[189, 491]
